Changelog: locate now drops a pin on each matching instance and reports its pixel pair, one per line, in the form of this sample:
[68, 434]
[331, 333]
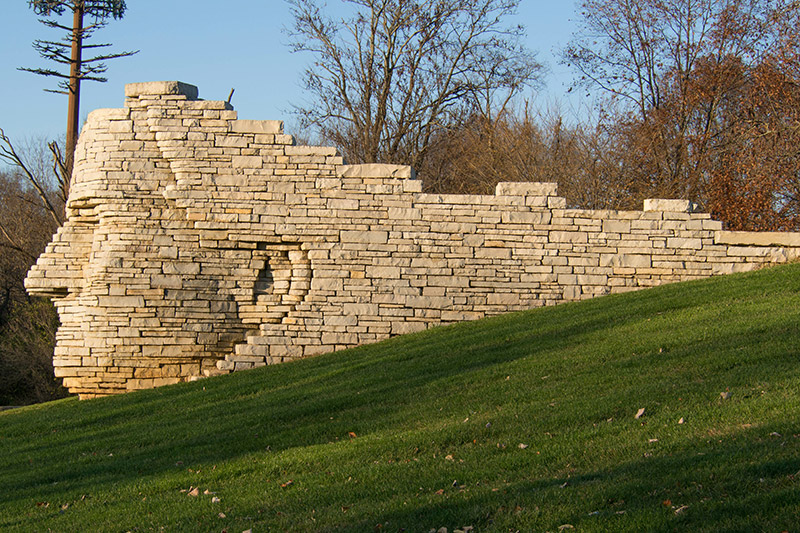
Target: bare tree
[527, 144]
[704, 94]
[69, 51]
[32, 168]
[629, 48]
[387, 79]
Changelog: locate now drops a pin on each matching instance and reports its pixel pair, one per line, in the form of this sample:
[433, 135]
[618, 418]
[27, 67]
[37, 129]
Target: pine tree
[69, 51]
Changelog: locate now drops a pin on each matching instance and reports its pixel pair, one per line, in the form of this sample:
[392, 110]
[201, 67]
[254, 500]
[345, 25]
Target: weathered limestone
[197, 243]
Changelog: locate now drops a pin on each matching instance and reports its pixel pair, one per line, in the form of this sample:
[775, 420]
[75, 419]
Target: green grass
[438, 419]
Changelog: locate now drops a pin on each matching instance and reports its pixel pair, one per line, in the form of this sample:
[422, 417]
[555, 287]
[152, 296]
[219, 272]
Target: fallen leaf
[651, 441]
[565, 526]
[43, 504]
[725, 395]
[351, 434]
[681, 509]
[215, 500]
[222, 515]
[194, 492]
[440, 491]
[639, 413]
[287, 484]
[666, 503]
[522, 446]
[448, 457]
[681, 421]
[208, 492]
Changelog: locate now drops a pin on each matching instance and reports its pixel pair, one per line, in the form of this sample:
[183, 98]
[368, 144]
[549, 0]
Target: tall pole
[74, 85]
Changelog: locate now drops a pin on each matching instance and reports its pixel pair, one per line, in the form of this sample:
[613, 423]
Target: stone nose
[59, 270]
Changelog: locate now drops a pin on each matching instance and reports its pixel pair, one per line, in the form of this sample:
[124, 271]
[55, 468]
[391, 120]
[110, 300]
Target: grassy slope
[438, 418]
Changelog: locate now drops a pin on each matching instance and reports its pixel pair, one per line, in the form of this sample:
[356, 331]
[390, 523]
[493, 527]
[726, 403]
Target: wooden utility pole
[69, 51]
[73, 107]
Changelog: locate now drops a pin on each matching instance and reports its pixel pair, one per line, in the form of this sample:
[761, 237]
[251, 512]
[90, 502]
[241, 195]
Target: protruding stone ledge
[376, 170]
[135, 90]
[305, 150]
[109, 114]
[526, 188]
[257, 126]
[671, 206]
[758, 238]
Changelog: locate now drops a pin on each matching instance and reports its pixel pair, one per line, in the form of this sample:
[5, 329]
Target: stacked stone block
[197, 243]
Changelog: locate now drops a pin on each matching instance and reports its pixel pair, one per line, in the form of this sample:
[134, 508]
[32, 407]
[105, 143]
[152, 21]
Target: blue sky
[240, 45]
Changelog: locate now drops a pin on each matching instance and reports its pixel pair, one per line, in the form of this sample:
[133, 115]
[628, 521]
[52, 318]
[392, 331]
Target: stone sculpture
[197, 244]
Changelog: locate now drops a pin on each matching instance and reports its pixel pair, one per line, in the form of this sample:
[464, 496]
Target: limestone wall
[197, 244]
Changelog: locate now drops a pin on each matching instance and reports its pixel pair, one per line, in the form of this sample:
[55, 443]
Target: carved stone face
[125, 275]
[149, 288]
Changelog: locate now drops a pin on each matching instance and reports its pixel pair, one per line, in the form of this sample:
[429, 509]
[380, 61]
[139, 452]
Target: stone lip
[135, 90]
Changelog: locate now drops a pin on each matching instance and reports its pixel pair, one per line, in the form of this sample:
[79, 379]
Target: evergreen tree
[69, 51]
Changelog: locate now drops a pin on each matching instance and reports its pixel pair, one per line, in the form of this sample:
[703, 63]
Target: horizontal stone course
[198, 243]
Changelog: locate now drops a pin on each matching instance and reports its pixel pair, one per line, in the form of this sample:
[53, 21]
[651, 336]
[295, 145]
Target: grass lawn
[524, 422]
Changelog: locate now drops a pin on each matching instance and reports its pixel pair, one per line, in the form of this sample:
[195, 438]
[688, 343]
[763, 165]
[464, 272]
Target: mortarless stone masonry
[197, 244]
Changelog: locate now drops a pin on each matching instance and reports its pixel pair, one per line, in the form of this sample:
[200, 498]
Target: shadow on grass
[367, 389]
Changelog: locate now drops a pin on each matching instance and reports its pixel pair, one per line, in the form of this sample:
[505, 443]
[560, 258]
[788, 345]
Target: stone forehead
[198, 243]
